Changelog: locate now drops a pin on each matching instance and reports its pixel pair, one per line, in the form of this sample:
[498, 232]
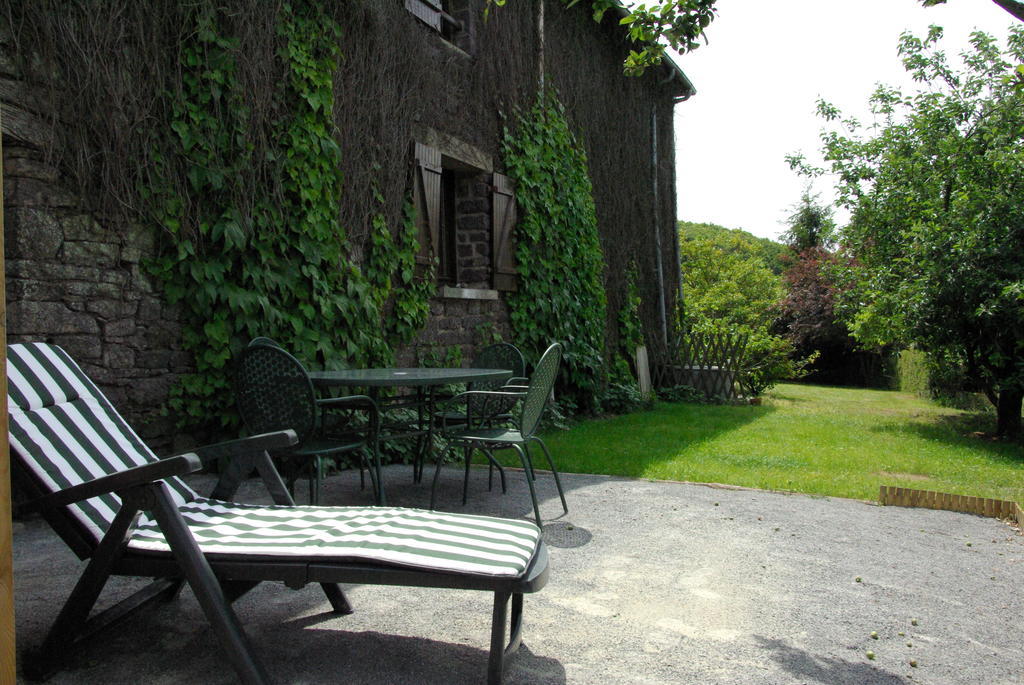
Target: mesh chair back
[64, 432]
[498, 356]
[273, 392]
[541, 383]
[263, 341]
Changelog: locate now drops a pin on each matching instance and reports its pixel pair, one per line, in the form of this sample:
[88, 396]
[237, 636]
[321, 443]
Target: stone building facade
[79, 280]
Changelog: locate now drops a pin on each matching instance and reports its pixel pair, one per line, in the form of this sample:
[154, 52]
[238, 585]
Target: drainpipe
[540, 44]
[662, 313]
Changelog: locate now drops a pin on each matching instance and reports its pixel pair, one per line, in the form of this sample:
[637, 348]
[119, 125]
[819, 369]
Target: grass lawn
[821, 440]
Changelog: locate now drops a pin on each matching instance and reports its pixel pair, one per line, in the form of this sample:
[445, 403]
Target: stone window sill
[450, 293]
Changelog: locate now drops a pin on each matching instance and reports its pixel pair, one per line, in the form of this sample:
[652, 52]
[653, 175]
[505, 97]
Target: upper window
[466, 216]
[453, 19]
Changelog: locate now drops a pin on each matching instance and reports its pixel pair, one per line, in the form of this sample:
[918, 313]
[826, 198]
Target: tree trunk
[1008, 423]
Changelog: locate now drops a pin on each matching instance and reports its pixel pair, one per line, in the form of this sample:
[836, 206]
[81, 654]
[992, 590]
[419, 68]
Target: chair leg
[315, 479]
[492, 463]
[335, 595]
[377, 474]
[496, 658]
[524, 457]
[437, 475]
[272, 480]
[73, 616]
[554, 472]
[500, 651]
[467, 454]
[205, 587]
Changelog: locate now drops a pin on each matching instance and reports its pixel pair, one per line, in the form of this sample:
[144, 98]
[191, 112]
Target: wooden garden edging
[993, 508]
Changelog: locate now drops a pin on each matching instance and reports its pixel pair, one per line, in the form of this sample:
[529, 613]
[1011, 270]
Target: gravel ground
[651, 582]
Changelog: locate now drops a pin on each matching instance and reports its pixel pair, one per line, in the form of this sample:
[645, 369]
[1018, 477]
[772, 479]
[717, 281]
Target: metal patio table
[424, 381]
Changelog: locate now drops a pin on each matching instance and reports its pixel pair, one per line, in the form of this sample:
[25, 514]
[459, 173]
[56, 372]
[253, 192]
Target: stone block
[150, 309]
[120, 328]
[474, 205]
[48, 319]
[476, 223]
[86, 253]
[142, 281]
[111, 309]
[150, 392]
[31, 192]
[29, 167]
[82, 348]
[32, 233]
[29, 289]
[91, 290]
[83, 227]
[118, 396]
[101, 375]
[118, 356]
[476, 277]
[139, 243]
[153, 359]
[181, 361]
[49, 271]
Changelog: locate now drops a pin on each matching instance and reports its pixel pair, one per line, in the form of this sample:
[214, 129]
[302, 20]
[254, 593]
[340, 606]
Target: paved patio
[651, 582]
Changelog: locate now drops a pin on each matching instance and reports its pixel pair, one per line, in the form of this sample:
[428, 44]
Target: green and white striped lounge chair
[129, 513]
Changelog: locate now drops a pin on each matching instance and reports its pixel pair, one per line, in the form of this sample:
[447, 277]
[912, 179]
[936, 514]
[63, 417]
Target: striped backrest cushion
[66, 432]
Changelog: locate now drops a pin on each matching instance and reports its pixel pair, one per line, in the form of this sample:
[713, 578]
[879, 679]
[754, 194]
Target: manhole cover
[563, 534]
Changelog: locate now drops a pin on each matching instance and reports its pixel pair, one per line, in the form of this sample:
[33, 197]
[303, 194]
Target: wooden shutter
[503, 222]
[427, 11]
[427, 196]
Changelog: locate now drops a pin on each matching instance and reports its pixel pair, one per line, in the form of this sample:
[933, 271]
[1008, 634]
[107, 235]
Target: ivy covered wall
[249, 165]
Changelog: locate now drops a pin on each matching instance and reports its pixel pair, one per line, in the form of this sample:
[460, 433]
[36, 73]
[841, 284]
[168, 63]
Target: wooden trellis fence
[710, 362]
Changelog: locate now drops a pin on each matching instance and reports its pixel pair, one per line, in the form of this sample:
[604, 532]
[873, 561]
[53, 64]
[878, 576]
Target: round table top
[405, 377]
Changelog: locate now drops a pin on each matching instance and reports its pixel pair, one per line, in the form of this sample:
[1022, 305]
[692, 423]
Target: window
[453, 19]
[467, 217]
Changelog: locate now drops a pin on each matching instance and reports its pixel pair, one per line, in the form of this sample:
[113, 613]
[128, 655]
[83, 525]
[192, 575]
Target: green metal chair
[273, 392]
[518, 437]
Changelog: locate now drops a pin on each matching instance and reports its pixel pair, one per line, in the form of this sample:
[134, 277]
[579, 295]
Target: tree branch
[1014, 7]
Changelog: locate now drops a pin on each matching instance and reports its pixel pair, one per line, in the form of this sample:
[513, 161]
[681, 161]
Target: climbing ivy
[277, 264]
[631, 333]
[560, 262]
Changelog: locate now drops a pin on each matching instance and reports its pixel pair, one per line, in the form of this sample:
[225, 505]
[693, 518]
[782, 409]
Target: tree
[678, 24]
[810, 225]
[936, 190]
[807, 316]
[729, 285]
[1012, 6]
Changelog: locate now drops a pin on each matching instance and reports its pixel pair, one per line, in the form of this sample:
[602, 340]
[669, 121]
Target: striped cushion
[66, 432]
[458, 543]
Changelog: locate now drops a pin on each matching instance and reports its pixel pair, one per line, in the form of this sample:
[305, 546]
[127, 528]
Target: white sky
[758, 80]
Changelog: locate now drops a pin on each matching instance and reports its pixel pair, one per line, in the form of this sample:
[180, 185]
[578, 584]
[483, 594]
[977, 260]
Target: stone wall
[80, 285]
[467, 323]
[473, 231]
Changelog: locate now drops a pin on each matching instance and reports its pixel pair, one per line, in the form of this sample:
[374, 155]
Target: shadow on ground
[827, 670]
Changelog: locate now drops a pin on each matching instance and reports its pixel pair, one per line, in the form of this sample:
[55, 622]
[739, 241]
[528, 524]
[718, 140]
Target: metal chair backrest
[497, 356]
[262, 340]
[273, 392]
[541, 382]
